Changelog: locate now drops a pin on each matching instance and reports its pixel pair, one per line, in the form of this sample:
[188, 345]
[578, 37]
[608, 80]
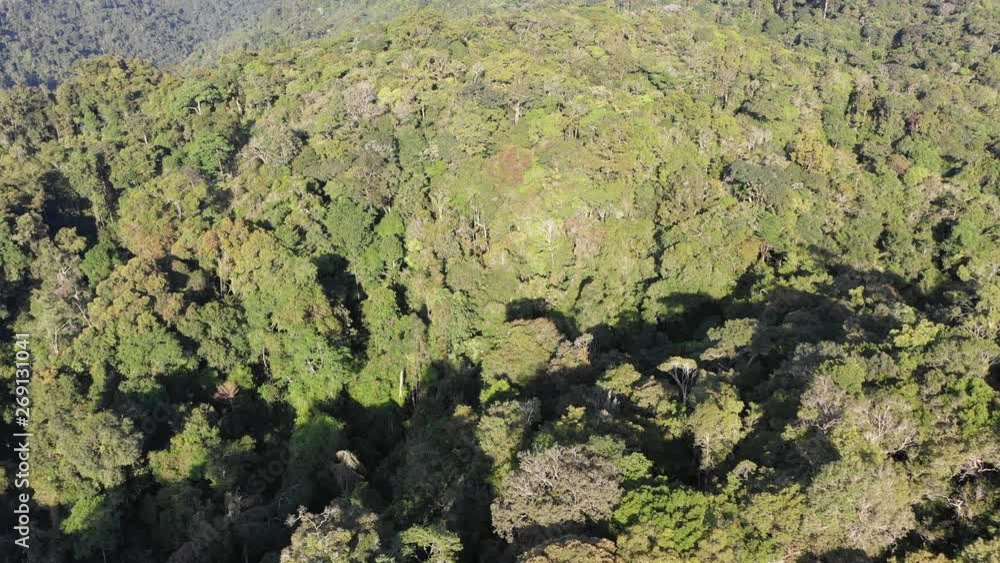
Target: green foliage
[848, 375]
[95, 523]
[80, 453]
[977, 403]
[522, 351]
[762, 527]
[497, 273]
[864, 508]
[661, 519]
[341, 532]
[620, 379]
[433, 544]
[47, 39]
[198, 452]
[209, 153]
[99, 261]
[980, 551]
[503, 429]
[717, 425]
[311, 448]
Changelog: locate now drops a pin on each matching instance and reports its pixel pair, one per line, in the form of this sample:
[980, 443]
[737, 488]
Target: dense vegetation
[686, 283]
[42, 40]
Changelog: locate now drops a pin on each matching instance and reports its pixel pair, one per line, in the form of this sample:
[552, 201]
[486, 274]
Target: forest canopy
[41, 41]
[617, 283]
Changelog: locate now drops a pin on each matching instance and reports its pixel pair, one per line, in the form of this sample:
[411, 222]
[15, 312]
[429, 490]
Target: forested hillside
[41, 40]
[594, 284]
[285, 22]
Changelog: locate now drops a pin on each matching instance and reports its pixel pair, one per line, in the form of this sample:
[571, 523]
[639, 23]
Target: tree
[441, 474]
[130, 328]
[210, 153]
[660, 521]
[503, 428]
[684, 373]
[434, 544]
[361, 102]
[852, 505]
[571, 549]
[341, 532]
[24, 121]
[374, 267]
[732, 340]
[199, 452]
[718, 425]
[59, 304]
[557, 488]
[761, 526]
[292, 325]
[279, 290]
[217, 328]
[522, 351]
[275, 144]
[95, 524]
[80, 452]
[980, 551]
[170, 512]
[166, 216]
